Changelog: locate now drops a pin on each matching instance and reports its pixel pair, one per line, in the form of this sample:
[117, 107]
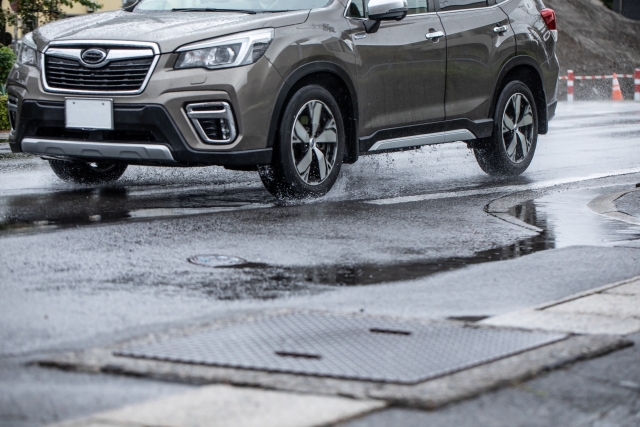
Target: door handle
[435, 35]
[500, 29]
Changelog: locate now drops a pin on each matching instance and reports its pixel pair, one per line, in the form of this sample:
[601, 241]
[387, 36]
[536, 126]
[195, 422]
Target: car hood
[169, 30]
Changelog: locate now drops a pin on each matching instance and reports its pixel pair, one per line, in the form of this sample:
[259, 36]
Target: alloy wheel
[314, 142]
[517, 128]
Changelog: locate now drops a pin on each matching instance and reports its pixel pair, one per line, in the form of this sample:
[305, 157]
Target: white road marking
[491, 190]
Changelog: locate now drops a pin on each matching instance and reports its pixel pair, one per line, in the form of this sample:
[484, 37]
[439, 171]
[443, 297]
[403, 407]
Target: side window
[356, 9]
[447, 5]
[418, 6]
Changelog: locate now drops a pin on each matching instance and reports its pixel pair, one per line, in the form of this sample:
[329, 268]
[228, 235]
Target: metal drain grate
[352, 347]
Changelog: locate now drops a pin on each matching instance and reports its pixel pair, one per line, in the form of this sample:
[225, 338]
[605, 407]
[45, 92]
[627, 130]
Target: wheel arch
[527, 70]
[332, 77]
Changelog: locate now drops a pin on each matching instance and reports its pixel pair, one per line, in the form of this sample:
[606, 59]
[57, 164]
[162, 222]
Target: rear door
[400, 77]
[479, 42]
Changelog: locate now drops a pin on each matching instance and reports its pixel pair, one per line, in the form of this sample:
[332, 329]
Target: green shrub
[4, 113]
[7, 58]
[608, 3]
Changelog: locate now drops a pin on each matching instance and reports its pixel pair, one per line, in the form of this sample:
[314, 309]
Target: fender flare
[512, 63]
[300, 73]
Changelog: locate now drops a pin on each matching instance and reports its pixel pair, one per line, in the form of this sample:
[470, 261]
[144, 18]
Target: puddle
[572, 223]
[564, 217]
[81, 207]
[279, 277]
[371, 274]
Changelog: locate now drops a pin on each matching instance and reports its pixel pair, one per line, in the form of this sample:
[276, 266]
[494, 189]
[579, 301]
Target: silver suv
[289, 88]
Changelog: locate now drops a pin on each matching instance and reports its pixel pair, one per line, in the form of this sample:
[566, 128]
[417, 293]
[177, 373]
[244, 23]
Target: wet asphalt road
[83, 266]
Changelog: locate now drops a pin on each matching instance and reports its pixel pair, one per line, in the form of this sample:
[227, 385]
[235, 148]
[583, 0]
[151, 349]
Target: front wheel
[308, 150]
[515, 133]
[87, 173]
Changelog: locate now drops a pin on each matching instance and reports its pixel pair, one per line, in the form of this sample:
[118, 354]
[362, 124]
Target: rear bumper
[143, 134]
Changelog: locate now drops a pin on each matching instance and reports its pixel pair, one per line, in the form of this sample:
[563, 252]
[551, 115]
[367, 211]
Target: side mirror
[384, 10]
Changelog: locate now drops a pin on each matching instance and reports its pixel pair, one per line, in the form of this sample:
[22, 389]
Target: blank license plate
[83, 113]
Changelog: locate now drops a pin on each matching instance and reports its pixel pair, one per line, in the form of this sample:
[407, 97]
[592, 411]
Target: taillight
[549, 17]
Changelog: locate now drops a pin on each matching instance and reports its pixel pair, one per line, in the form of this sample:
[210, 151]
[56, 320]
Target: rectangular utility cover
[352, 347]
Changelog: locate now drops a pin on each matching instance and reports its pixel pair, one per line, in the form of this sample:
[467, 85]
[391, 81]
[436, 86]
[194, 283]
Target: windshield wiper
[208, 9]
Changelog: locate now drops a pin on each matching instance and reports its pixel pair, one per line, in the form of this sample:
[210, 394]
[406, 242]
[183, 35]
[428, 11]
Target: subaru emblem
[93, 56]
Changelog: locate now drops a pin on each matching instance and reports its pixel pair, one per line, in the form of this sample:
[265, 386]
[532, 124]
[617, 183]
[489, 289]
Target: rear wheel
[308, 151]
[87, 173]
[515, 133]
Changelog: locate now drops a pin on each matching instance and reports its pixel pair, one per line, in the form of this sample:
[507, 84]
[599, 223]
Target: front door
[401, 78]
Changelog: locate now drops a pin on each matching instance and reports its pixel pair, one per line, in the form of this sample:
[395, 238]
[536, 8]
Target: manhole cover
[216, 260]
[363, 348]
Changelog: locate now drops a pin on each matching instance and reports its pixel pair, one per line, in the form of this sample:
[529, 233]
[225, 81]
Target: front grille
[70, 74]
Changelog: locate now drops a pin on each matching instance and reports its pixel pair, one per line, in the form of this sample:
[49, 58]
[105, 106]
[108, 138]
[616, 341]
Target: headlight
[231, 51]
[28, 52]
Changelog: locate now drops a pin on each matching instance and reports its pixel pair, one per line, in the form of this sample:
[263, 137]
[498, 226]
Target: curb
[608, 310]
[605, 205]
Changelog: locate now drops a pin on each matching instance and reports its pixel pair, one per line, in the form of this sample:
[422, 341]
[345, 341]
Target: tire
[511, 148]
[309, 146]
[87, 173]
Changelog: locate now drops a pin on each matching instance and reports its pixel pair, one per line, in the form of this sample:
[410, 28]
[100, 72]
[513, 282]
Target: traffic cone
[616, 94]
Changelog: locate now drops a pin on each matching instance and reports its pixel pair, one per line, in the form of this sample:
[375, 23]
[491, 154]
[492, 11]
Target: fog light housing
[213, 121]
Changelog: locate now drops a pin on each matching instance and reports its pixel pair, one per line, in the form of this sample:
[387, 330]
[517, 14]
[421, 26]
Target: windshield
[231, 5]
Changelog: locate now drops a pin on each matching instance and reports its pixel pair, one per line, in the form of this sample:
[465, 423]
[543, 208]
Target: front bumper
[142, 134]
[158, 115]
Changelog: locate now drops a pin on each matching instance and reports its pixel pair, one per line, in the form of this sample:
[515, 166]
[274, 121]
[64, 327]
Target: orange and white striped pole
[636, 78]
[616, 92]
[570, 85]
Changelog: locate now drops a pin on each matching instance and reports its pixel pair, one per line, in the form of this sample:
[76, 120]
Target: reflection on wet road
[33, 200]
[85, 206]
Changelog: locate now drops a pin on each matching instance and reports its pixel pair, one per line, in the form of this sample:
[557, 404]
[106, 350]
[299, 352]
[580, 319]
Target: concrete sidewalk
[605, 388]
[223, 405]
[602, 391]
